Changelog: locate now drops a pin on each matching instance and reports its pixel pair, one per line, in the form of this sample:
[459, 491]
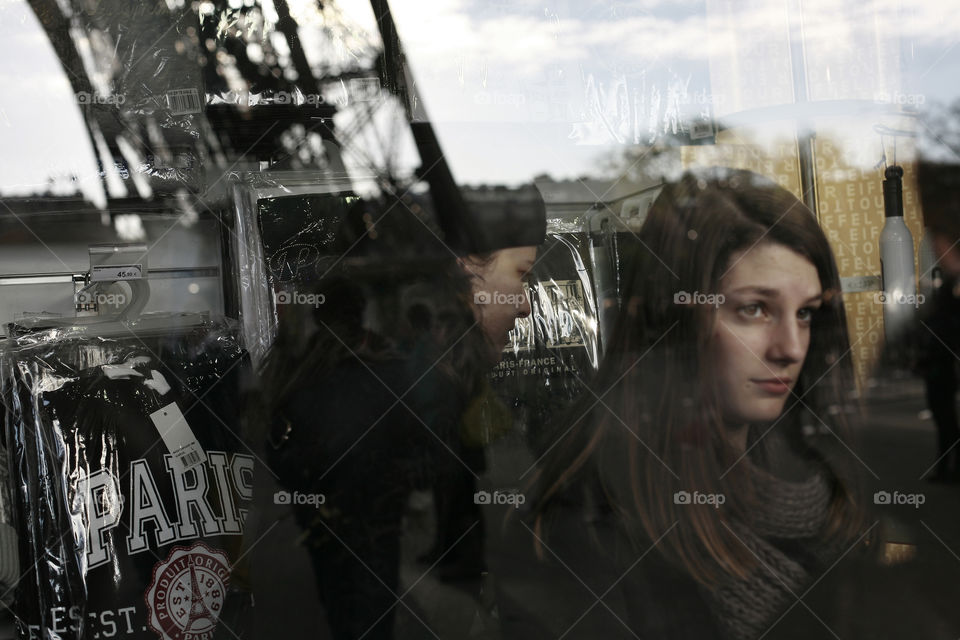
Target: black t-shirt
[128, 534]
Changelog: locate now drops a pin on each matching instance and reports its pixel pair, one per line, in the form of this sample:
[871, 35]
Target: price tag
[856, 284]
[112, 272]
[178, 436]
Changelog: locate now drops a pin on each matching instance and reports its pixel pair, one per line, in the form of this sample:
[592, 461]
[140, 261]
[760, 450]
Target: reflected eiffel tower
[198, 609]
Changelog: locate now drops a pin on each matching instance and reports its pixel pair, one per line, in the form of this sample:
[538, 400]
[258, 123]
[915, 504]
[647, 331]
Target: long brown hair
[653, 425]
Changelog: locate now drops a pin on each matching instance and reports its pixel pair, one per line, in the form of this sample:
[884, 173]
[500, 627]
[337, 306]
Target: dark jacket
[362, 436]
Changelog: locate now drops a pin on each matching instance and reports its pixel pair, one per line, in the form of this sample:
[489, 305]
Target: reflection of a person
[368, 406]
[697, 473]
[939, 336]
[499, 300]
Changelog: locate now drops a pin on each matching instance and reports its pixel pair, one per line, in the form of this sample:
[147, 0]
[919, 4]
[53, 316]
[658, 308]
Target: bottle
[897, 267]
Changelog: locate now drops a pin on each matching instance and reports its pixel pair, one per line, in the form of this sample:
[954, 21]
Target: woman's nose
[788, 342]
[524, 309]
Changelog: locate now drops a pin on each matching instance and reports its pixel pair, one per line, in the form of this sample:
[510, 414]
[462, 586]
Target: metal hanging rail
[65, 277]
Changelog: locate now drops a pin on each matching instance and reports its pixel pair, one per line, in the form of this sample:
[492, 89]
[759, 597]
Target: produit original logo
[187, 592]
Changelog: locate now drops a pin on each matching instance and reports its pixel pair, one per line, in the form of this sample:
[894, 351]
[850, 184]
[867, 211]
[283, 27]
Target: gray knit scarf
[794, 511]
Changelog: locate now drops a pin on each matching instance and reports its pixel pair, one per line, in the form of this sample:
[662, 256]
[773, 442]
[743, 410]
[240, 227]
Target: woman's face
[762, 333]
[498, 293]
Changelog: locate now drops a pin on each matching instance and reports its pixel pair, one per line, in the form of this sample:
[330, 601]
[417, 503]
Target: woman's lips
[777, 386]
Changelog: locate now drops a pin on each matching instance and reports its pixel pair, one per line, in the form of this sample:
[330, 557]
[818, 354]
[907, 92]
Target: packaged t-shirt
[131, 483]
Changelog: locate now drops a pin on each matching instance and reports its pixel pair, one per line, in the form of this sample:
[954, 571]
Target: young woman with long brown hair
[708, 440]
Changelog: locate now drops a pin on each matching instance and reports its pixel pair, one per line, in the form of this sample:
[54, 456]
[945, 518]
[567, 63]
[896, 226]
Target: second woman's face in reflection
[762, 330]
[500, 298]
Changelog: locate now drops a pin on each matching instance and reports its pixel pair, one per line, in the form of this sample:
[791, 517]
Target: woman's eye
[806, 314]
[752, 310]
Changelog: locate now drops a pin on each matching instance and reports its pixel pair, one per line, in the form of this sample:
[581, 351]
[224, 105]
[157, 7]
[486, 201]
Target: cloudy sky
[517, 87]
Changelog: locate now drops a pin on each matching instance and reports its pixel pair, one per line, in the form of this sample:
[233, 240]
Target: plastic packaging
[130, 480]
[607, 232]
[285, 227]
[146, 98]
[9, 558]
[554, 351]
